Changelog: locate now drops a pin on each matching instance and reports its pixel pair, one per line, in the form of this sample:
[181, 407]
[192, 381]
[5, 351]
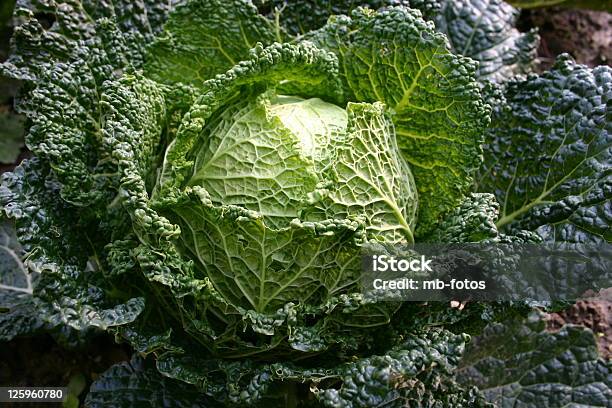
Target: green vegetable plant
[206, 174]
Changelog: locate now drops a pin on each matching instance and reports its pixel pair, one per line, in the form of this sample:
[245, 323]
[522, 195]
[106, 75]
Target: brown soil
[584, 34]
[596, 314]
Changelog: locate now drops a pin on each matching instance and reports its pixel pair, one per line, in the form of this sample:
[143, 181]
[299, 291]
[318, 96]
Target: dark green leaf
[11, 137]
[548, 154]
[485, 31]
[206, 37]
[302, 16]
[519, 363]
[18, 314]
[137, 384]
[63, 67]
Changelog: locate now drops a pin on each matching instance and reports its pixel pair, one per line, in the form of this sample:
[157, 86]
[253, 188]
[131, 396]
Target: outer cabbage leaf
[474, 221]
[137, 383]
[18, 315]
[247, 381]
[484, 30]
[419, 372]
[260, 268]
[36, 46]
[135, 116]
[520, 363]
[11, 137]
[68, 139]
[548, 155]
[203, 38]
[19, 319]
[302, 16]
[481, 29]
[14, 277]
[67, 293]
[63, 67]
[344, 322]
[395, 57]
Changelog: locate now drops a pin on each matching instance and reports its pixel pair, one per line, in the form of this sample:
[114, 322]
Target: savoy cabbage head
[206, 175]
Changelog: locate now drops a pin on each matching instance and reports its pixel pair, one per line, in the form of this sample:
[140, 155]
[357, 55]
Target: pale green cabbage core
[288, 158]
[267, 154]
[313, 121]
